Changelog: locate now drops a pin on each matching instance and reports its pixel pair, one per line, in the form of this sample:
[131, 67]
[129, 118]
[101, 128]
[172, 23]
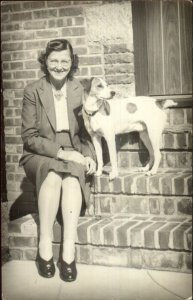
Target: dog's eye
[100, 86]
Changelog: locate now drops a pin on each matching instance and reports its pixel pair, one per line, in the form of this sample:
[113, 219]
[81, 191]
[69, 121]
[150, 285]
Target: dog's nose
[112, 93]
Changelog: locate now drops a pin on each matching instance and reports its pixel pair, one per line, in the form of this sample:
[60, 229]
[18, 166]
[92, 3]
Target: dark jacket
[39, 121]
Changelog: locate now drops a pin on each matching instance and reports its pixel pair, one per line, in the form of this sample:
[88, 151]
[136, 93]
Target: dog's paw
[113, 175]
[144, 169]
[150, 172]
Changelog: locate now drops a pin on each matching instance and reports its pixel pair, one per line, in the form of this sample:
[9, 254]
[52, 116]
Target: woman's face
[59, 64]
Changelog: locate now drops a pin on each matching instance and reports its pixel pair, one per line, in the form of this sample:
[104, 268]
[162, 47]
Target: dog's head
[97, 87]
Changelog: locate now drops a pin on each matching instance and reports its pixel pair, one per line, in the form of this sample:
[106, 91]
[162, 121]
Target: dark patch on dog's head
[86, 83]
[131, 108]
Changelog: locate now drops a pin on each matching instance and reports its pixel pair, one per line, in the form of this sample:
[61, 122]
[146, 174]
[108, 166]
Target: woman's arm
[33, 142]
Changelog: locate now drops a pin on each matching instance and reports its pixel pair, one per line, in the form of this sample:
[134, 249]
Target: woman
[58, 156]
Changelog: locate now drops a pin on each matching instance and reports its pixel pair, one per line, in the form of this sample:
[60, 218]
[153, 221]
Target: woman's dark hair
[58, 45]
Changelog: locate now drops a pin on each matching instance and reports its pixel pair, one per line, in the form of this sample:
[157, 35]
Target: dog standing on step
[106, 117]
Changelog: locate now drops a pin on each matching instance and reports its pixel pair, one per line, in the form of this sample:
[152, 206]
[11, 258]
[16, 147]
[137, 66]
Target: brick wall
[101, 34]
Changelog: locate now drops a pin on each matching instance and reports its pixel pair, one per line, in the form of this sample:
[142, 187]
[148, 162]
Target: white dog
[106, 119]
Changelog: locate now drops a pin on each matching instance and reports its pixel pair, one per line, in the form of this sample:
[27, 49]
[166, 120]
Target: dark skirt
[38, 166]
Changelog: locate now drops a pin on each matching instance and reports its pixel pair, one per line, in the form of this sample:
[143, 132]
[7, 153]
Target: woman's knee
[54, 179]
[70, 182]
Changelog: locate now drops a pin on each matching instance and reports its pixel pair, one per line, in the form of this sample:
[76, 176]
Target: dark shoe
[46, 268]
[68, 272]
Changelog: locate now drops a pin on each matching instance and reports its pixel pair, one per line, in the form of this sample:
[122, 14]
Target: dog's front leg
[110, 139]
[98, 148]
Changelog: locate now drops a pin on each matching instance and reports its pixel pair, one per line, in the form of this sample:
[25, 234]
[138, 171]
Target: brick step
[133, 241]
[170, 182]
[171, 140]
[155, 183]
[180, 115]
[169, 159]
[109, 204]
[167, 192]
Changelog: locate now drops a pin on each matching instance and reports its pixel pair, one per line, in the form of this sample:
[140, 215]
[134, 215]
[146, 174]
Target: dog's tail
[169, 103]
[164, 104]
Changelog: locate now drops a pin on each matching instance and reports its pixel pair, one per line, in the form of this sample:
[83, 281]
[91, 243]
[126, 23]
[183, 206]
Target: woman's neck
[57, 84]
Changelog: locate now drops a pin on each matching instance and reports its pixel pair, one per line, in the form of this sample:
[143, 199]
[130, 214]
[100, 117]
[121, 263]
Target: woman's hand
[78, 158]
[90, 165]
[74, 156]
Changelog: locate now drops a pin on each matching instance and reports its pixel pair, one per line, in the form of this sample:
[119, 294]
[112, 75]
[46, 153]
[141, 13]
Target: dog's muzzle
[112, 94]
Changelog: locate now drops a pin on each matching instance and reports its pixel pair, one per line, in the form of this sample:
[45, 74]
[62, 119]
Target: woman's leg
[48, 203]
[71, 206]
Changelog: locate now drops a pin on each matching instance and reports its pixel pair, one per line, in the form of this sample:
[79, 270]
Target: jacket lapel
[46, 97]
[72, 99]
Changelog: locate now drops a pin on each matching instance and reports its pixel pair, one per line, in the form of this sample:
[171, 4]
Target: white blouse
[60, 103]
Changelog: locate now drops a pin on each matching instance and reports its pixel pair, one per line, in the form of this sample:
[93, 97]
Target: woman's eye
[66, 62]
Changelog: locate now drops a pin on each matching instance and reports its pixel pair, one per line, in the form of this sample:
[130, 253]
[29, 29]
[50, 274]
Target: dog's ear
[107, 108]
[86, 83]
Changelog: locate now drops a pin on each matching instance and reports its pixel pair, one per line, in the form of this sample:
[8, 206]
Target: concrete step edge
[177, 261]
[171, 233]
